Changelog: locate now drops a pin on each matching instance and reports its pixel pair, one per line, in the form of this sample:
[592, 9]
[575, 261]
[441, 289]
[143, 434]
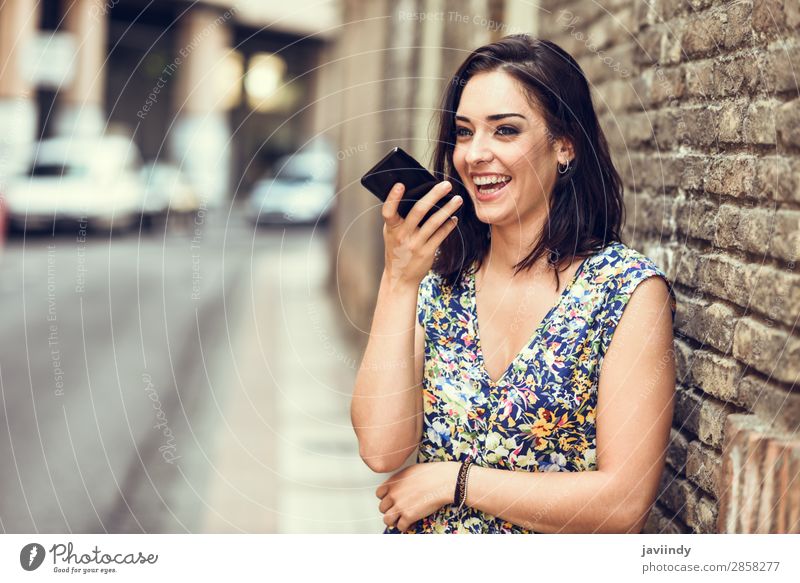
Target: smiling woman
[552, 414]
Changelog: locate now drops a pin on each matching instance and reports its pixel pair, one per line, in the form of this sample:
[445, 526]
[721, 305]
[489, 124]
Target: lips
[490, 187]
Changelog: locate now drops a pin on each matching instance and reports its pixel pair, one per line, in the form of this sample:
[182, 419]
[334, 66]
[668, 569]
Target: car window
[53, 170]
[305, 167]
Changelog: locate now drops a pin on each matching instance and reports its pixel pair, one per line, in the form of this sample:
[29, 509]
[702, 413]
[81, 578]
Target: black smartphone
[399, 166]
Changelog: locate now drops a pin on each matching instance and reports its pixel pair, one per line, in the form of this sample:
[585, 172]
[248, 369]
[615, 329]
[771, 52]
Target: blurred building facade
[219, 88]
[699, 102]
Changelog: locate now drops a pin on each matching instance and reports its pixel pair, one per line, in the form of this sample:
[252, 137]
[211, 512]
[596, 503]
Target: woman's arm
[634, 415]
[386, 410]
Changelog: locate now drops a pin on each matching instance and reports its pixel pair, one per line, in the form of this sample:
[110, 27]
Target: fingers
[392, 516]
[426, 203]
[438, 218]
[386, 504]
[441, 234]
[389, 209]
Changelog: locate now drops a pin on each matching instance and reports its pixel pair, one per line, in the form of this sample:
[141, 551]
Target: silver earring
[566, 168]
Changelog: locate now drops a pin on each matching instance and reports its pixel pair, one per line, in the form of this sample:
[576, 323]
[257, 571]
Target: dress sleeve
[621, 291]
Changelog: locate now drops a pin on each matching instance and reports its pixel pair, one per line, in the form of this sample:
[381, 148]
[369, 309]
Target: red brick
[697, 217]
[738, 29]
[727, 278]
[704, 124]
[709, 323]
[759, 123]
[677, 450]
[700, 80]
[683, 360]
[730, 122]
[703, 466]
[759, 493]
[785, 242]
[667, 84]
[780, 71]
[747, 229]
[789, 124]
[704, 35]
[694, 171]
[768, 16]
[777, 178]
[738, 76]
[687, 501]
[713, 413]
[732, 176]
[777, 406]
[787, 511]
[716, 375]
[662, 521]
[767, 349]
[740, 474]
[774, 294]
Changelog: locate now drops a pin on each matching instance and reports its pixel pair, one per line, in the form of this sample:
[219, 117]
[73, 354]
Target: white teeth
[481, 180]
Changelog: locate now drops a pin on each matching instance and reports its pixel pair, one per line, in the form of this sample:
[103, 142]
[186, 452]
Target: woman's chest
[506, 322]
[540, 414]
[540, 346]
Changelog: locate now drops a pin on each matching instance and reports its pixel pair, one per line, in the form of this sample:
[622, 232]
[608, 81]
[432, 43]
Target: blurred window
[51, 170]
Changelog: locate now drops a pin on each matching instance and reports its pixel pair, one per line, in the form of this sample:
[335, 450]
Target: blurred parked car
[168, 193]
[300, 190]
[3, 222]
[91, 180]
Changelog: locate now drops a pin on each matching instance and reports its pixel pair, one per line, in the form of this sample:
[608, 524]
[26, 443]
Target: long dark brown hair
[586, 209]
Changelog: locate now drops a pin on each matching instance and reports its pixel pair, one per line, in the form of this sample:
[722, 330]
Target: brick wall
[699, 101]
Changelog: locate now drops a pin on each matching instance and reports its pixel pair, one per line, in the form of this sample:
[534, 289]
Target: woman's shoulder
[621, 269]
[618, 263]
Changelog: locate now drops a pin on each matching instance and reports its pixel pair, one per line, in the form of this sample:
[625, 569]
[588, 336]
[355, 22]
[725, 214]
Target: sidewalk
[287, 461]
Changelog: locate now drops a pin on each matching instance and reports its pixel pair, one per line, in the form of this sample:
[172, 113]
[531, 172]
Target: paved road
[189, 381]
[110, 347]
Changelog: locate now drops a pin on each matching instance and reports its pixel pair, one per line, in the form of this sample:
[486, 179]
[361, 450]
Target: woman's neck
[510, 244]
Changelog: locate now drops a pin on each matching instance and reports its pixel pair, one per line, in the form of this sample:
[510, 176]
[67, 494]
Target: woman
[529, 418]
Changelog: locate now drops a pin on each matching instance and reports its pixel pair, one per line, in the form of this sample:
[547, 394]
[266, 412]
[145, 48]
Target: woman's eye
[503, 131]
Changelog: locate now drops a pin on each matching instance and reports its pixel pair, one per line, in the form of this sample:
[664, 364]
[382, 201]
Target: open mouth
[489, 186]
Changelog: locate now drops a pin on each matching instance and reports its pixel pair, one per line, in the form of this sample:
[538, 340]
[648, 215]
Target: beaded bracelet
[466, 481]
[460, 496]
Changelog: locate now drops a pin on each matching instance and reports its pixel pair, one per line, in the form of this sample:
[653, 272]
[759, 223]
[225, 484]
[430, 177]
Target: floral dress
[540, 415]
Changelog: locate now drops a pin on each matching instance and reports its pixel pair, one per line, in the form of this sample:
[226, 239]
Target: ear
[565, 152]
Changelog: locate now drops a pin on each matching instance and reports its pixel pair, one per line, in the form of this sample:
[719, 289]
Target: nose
[477, 152]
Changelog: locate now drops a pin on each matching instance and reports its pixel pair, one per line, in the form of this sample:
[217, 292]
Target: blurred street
[187, 381]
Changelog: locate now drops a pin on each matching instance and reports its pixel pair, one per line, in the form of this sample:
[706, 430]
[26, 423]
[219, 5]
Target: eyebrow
[493, 117]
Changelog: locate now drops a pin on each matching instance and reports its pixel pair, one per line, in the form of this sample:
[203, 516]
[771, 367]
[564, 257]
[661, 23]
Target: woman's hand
[410, 249]
[416, 492]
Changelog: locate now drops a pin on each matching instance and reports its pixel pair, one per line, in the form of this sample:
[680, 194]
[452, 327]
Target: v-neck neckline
[531, 340]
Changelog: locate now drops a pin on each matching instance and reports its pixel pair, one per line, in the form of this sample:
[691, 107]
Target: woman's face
[513, 148]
